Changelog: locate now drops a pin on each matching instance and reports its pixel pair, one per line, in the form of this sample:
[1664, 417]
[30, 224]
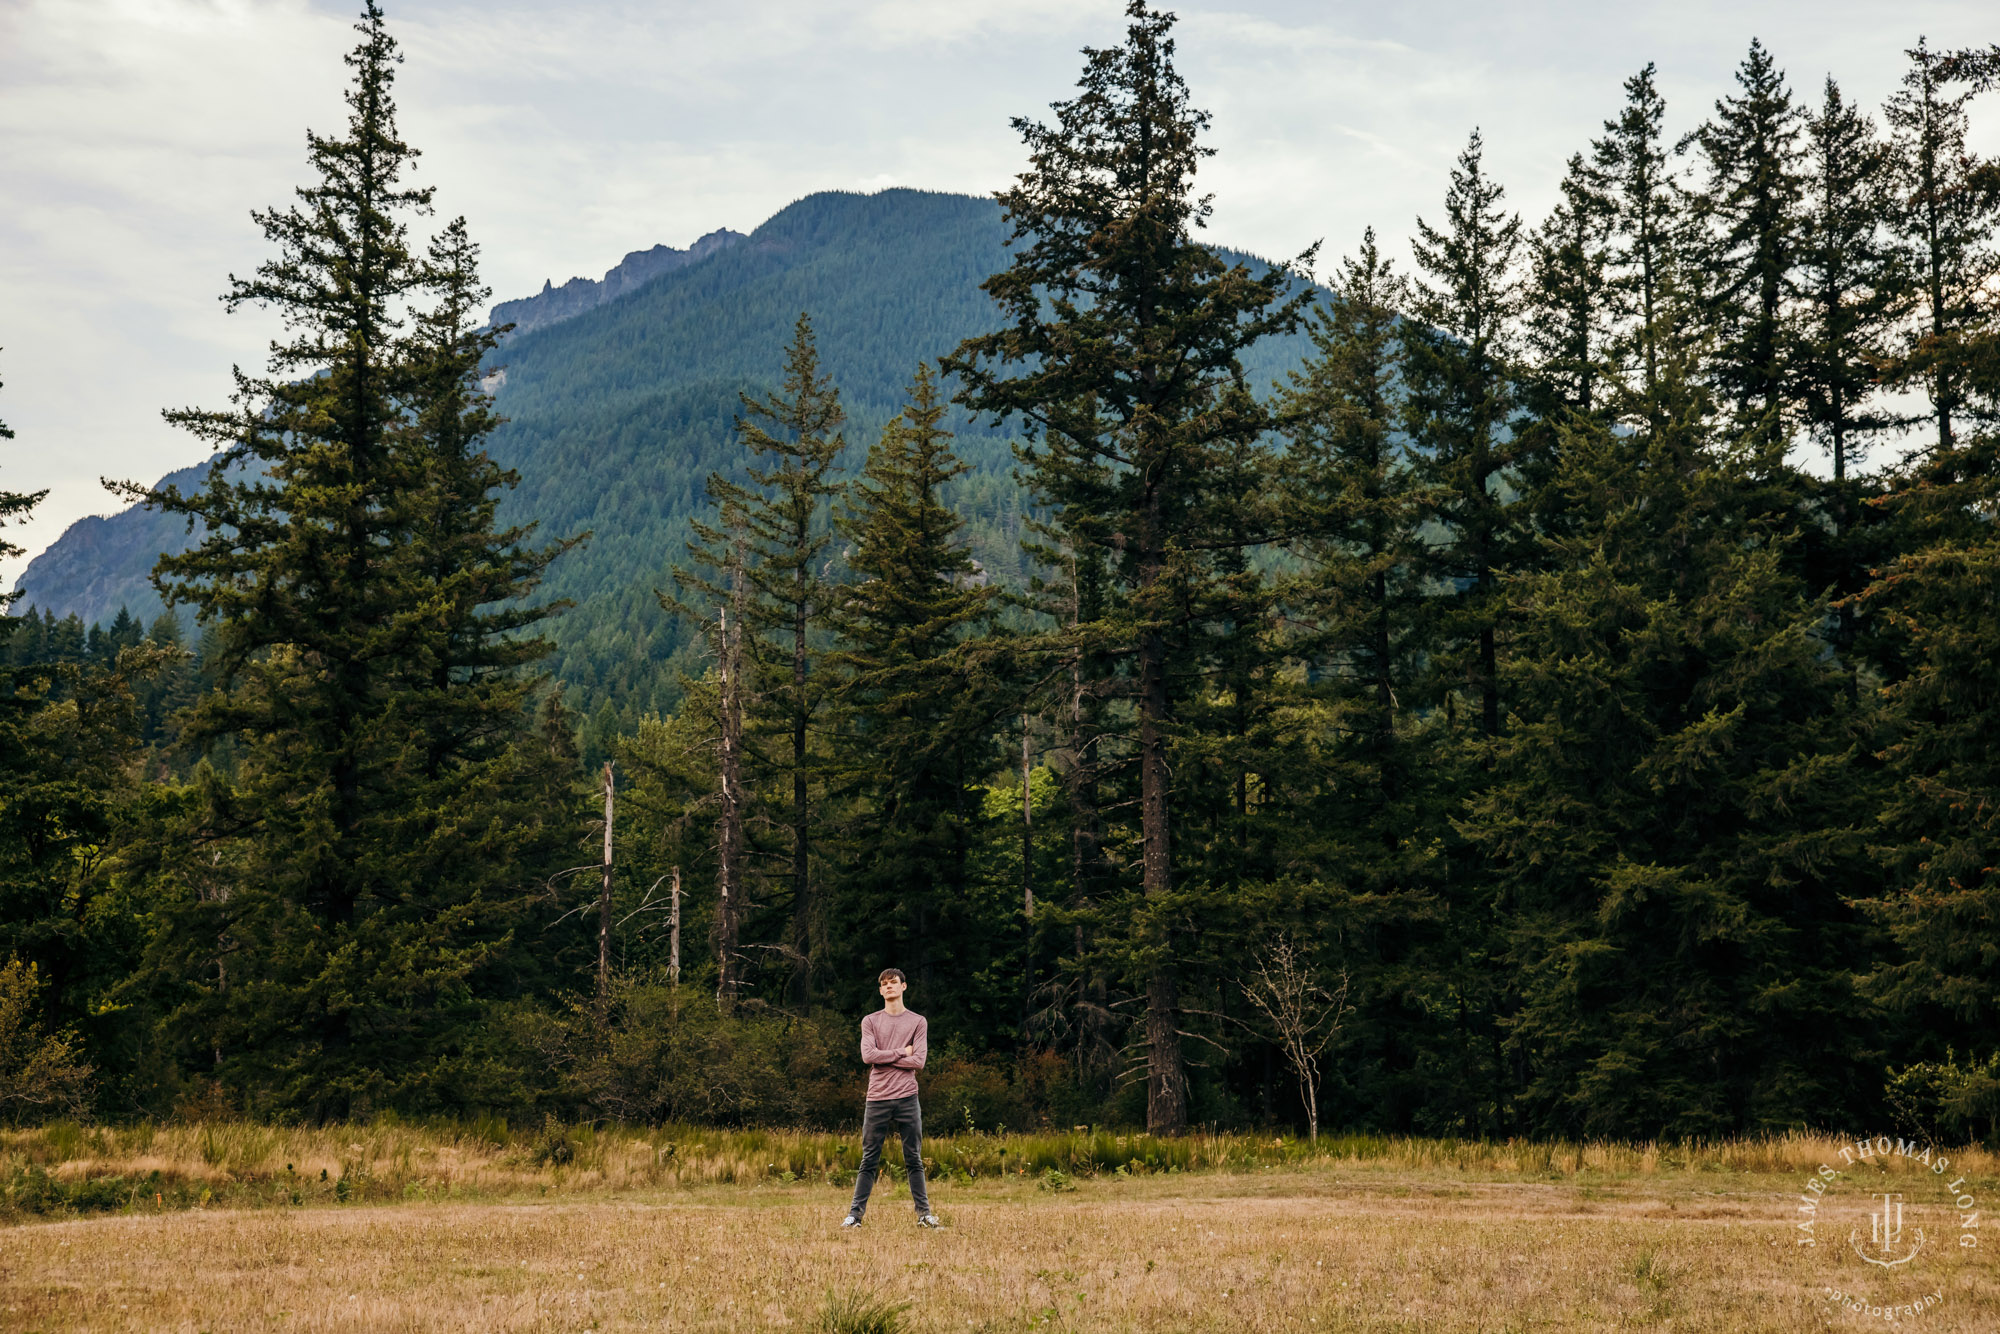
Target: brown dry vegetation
[1360, 1235]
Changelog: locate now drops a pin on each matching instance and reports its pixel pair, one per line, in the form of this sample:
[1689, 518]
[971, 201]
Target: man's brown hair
[896, 973]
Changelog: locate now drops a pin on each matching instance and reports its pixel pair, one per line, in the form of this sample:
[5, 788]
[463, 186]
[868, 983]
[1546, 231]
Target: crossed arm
[908, 1057]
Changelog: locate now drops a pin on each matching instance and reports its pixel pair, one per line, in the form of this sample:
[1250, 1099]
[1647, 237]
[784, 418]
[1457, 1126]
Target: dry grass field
[692, 1230]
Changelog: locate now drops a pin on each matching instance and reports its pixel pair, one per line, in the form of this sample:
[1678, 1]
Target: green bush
[663, 1053]
[32, 1190]
[1943, 1101]
[40, 1072]
[966, 1094]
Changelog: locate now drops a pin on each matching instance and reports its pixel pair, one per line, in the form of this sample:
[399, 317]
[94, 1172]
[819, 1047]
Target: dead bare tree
[604, 907]
[1303, 1012]
[674, 936]
[729, 878]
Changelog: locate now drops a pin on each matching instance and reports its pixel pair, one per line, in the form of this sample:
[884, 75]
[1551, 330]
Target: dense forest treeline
[1488, 730]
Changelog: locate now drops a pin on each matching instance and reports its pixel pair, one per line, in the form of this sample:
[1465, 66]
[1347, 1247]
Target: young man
[894, 1041]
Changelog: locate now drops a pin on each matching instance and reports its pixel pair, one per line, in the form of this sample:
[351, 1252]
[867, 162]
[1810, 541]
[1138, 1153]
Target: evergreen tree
[1850, 283]
[1567, 308]
[1941, 817]
[162, 697]
[1123, 358]
[1666, 833]
[1938, 822]
[1570, 330]
[1353, 781]
[1749, 214]
[1854, 295]
[387, 804]
[768, 559]
[917, 724]
[471, 675]
[1632, 160]
[1460, 409]
[1363, 506]
[1947, 203]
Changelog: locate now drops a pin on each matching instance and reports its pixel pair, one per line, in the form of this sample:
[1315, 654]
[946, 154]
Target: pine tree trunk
[1166, 1094]
[1489, 673]
[1934, 262]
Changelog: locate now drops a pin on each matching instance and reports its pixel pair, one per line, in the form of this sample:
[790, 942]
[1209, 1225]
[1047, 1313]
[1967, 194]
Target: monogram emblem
[1885, 1234]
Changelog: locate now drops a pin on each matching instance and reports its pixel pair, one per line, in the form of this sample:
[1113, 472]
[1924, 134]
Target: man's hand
[909, 1049]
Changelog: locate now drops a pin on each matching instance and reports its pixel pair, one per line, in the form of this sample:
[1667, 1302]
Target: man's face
[892, 988]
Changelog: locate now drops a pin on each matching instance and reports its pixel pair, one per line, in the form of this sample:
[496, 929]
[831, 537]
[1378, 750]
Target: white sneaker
[928, 1220]
[850, 1221]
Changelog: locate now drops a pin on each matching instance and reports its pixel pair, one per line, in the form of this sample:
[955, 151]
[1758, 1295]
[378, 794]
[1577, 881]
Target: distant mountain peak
[554, 304]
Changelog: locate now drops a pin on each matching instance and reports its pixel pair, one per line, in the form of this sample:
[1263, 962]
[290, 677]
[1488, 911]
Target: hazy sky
[136, 136]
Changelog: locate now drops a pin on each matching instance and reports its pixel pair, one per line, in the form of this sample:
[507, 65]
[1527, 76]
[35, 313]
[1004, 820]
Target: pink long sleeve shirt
[891, 1074]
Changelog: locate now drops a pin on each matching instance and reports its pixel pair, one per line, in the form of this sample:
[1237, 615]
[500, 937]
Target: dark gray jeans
[906, 1117]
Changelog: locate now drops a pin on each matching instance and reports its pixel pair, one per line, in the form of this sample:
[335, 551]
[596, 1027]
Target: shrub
[32, 1190]
[41, 1073]
[965, 1094]
[665, 1053]
[554, 1147]
[1945, 1100]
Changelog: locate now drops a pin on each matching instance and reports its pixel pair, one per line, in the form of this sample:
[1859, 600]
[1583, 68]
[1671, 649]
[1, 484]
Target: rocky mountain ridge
[554, 304]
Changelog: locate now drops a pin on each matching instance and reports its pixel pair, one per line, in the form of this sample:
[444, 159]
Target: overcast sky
[136, 136]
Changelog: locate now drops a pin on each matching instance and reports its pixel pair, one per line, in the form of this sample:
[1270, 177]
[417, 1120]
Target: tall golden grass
[65, 1169]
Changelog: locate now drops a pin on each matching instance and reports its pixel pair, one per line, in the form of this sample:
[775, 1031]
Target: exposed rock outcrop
[554, 304]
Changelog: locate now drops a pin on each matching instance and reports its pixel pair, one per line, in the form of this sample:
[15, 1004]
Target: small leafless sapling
[1305, 1013]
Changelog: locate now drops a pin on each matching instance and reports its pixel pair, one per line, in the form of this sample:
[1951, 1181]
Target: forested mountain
[103, 563]
[617, 414]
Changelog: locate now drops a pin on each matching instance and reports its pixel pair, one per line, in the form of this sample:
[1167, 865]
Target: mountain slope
[618, 414]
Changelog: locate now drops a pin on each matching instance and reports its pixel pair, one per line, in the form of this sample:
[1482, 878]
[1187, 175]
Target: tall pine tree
[1362, 510]
[1123, 358]
[1748, 215]
[1352, 780]
[918, 721]
[1458, 364]
[1852, 288]
[1941, 820]
[384, 818]
[1947, 201]
[1567, 306]
[1648, 210]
